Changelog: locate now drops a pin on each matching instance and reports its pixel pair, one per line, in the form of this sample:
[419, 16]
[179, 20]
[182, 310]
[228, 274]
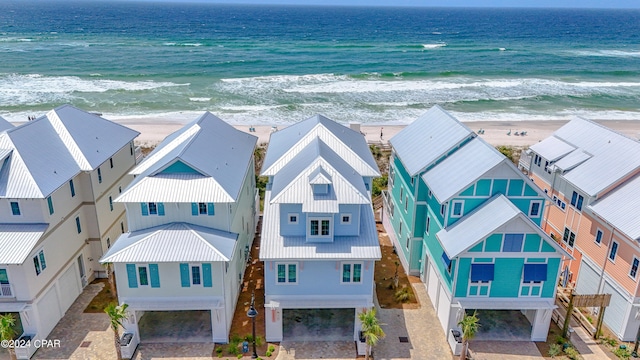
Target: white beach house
[191, 212]
[59, 175]
[319, 240]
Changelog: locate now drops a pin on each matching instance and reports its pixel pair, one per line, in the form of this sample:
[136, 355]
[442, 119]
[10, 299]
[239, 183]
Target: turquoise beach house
[319, 240]
[467, 221]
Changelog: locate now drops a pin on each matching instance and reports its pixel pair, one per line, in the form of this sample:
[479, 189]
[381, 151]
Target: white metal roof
[620, 208]
[17, 241]
[428, 138]
[484, 221]
[209, 146]
[173, 242]
[285, 144]
[552, 148]
[572, 160]
[274, 246]
[4, 124]
[461, 169]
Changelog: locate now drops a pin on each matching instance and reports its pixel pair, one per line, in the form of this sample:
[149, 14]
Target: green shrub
[268, 353]
[622, 353]
[572, 353]
[555, 350]
[403, 295]
[560, 340]
[240, 356]
[249, 338]
[272, 348]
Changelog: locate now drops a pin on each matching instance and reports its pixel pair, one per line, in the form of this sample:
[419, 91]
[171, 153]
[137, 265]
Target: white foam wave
[606, 53]
[199, 99]
[434, 46]
[249, 107]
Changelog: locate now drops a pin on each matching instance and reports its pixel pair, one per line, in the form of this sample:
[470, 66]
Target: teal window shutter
[194, 209]
[210, 209]
[155, 277]
[131, 273]
[145, 209]
[184, 275]
[206, 275]
[50, 203]
[160, 209]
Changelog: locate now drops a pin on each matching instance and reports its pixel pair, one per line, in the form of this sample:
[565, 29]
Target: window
[443, 208]
[15, 208]
[512, 242]
[400, 228]
[446, 261]
[598, 236]
[39, 262]
[119, 189]
[428, 224]
[412, 181]
[401, 193]
[153, 208]
[319, 227]
[293, 218]
[131, 148]
[111, 162]
[72, 188]
[406, 203]
[314, 228]
[614, 250]
[108, 243]
[4, 278]
[457, 208]
[534, 208]
[634, 267]
[406, 245]
[50, 204]
[111, 203]
[196, 278]
[577, 200]
[392, 175]
[99, 176]
[287, 273]
[143, 276]
[345, 218]
[200, 209]
[533, 277]
[569, 237]
[430, 194]
[351, 273]
[480, 279]
[122, 227]
[78, 227]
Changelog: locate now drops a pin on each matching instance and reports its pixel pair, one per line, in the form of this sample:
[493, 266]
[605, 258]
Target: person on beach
[381, 133]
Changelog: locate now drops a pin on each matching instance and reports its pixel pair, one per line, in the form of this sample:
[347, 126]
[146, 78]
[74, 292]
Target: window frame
[539, 214]
[286, 273]
[428, 224]
[39, 261]
[99, 176]
[635, 261]
[480, 283]
[351, 265]
[614, 251]
[50, 205]
[345, 215]
[453, 208]
[72, 188]
[297, 218]
[504, 242]
[443, 209]
[110, 202]
[111, 162]
[145, 267]
[78, 224]
[13, 210]
[601, 233]
[320, 220]
[200, 274]
[532, 284]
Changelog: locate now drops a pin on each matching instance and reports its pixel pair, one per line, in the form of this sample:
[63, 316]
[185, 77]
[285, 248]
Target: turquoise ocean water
[270, 64]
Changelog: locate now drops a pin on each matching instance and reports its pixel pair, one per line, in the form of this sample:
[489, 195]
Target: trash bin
[570, 333]
[245, 347]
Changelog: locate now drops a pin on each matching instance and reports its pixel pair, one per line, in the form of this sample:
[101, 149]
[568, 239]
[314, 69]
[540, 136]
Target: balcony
[525, 160]
[6, 291]
[139, 155]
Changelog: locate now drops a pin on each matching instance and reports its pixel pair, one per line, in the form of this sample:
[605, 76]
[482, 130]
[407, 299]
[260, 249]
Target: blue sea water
[280, 64]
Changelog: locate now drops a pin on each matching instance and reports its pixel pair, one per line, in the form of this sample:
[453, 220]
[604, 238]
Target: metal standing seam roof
[275, 247]
[4, 124]
[428, 138]
[212, 148]
[552, 148]
[173, 242]
[461, 169]
[620, 208]
[572, 160]
[285, 144]
[484, 221]
[17, 241]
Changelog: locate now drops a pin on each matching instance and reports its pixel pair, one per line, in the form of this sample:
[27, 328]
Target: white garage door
[69, 289]
[48, 309]
[432, 286]
[615, 313]
[444, 307]
[588, 280]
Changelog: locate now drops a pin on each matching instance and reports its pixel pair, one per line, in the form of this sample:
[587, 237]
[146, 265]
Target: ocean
[282, 64]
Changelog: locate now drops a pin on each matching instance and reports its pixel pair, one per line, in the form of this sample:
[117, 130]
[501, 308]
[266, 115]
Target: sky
[447, 3]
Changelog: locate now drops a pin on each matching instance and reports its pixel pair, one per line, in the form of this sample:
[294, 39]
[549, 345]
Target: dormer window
[319, 227]
[321, 189]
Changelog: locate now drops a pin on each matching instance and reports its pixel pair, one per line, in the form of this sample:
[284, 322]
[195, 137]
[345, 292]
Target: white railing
[525, 160]
[6, 290]
[139, 155]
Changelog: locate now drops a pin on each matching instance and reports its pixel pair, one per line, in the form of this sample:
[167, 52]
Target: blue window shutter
[155, 276]
[206, 275]
[446, 260]
[145, 209]
[194, 209]
[160, 209]
[131, 273]
[482, 272]
[535, 272]
[184, 275]
[210, 209]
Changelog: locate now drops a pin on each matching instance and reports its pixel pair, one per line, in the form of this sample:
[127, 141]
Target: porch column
[540, 325]
[273, 321]
[219, 330]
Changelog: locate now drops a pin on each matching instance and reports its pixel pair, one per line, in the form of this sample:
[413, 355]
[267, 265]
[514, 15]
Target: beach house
[319, 239]
[59, 175]
[466, 220]
[592, 174]
[192, 216]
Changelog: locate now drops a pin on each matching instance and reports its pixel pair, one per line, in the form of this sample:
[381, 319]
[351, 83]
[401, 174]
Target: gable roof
[218, 153]
[173, 242]
[620, 208]
[552, 148]
[428, 138]
[17, 241]
[482, 222]
[47, 152]
[285, 144]
[605, 157]
[4, 124]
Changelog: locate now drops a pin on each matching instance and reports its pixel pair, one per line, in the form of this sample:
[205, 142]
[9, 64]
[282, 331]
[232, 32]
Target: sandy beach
[496, 133]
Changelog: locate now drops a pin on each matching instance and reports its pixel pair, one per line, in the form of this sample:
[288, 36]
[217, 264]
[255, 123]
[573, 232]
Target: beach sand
[153, 131]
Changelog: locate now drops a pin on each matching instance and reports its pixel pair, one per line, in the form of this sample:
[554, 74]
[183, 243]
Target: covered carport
[318, 324]
[504, 325]
[175, 326]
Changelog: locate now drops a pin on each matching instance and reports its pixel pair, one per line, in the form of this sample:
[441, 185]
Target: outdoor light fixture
[253, 313]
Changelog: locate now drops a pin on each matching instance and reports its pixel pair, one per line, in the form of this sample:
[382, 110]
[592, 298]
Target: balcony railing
[525, 160]
[6, 290]
[139, 155]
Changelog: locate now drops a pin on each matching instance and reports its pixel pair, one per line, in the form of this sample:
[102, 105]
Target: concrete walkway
[586, 346]
[507, 350]
[334, 350]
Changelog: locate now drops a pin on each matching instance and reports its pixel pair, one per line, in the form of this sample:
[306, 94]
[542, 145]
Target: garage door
[318, 324]
[444, 307]
[69, 289]
[432, 286]
[48, 308]
[615, 313]
[588, 280]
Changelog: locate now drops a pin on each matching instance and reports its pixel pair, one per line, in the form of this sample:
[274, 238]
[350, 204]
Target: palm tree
[371, 329]
[117, 314]
[7, 331]
[469, 325]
